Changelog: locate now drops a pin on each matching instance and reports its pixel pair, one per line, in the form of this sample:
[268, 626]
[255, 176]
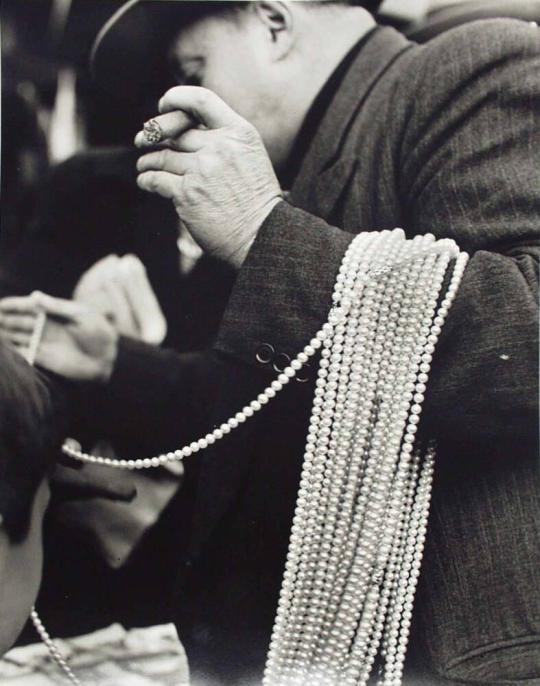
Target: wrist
[238, 257]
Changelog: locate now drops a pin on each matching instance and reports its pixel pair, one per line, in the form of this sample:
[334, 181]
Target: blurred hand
[91, 481]
[119, 288]
[219, 175]
[77, 342]
[113, 508]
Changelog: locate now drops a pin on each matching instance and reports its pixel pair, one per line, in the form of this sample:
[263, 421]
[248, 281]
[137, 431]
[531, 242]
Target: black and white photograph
[269, 361]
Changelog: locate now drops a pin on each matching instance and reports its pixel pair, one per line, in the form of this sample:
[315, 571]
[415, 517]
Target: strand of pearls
[361, 514]
[54, 652]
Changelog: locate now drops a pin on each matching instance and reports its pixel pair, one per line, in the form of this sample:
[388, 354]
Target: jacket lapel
[328, 164]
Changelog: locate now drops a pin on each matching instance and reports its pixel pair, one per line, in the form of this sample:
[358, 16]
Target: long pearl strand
[358, 532]
[359, 526]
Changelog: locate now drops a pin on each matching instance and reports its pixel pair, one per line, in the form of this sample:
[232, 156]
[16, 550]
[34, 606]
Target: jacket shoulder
[488, 68]
[485, 48]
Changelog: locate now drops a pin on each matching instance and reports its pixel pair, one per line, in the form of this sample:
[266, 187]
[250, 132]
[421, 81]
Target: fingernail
[142, 181]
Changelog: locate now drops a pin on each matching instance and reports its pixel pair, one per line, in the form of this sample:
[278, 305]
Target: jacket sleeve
[468, 169]
[156, 399]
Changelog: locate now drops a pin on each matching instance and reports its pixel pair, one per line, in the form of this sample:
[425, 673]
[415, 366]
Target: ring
[153, 132]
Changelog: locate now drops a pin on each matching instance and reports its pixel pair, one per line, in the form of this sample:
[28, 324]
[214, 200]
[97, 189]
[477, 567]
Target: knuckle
[209, 163]
[169, 97]
[189, 193]
[202, 96]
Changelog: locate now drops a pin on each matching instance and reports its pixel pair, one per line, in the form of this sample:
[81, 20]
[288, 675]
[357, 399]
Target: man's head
[267, 60]
[30, 430]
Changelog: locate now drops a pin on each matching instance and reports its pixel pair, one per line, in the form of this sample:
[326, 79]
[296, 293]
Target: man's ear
[278, 22]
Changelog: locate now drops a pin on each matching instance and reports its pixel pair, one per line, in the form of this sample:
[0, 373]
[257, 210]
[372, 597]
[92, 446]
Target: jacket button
[281, 362]
[265, 353]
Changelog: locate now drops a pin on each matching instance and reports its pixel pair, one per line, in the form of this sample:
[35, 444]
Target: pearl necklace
[359, 526]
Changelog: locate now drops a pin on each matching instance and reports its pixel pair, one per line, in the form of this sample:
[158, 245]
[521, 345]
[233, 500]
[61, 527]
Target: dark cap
[130, 56]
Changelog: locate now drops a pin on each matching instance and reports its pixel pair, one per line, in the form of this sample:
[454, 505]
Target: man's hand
[218, 175]
[76, 343]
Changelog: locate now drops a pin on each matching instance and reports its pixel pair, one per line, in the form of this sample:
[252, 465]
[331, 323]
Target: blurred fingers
[24, 323]
[16, 338]
[92, 481]
[93, 278]
[20, 304]
[57, 307]
[144, 304]
[120, 308]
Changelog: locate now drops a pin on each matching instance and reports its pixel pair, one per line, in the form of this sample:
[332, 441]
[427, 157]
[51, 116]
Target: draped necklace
[360, 521]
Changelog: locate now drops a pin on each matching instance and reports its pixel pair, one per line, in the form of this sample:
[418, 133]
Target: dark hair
[31, 426]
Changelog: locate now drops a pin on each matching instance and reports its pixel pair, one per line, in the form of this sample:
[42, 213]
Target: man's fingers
[191, 140]
[169, 125]
[167, 160]
[24, 323]
[201, 104]
[163, 183]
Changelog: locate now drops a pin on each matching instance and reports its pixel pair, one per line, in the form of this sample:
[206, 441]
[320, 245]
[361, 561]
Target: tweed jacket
[442, 138]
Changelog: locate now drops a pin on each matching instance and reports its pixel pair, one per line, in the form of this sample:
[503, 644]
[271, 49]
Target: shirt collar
[317, 111]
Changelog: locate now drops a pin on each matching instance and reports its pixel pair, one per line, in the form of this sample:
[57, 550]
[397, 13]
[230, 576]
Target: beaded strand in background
[359, 526]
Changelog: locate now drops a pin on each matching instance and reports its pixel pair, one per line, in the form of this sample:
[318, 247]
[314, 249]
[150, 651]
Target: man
[368, 132]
